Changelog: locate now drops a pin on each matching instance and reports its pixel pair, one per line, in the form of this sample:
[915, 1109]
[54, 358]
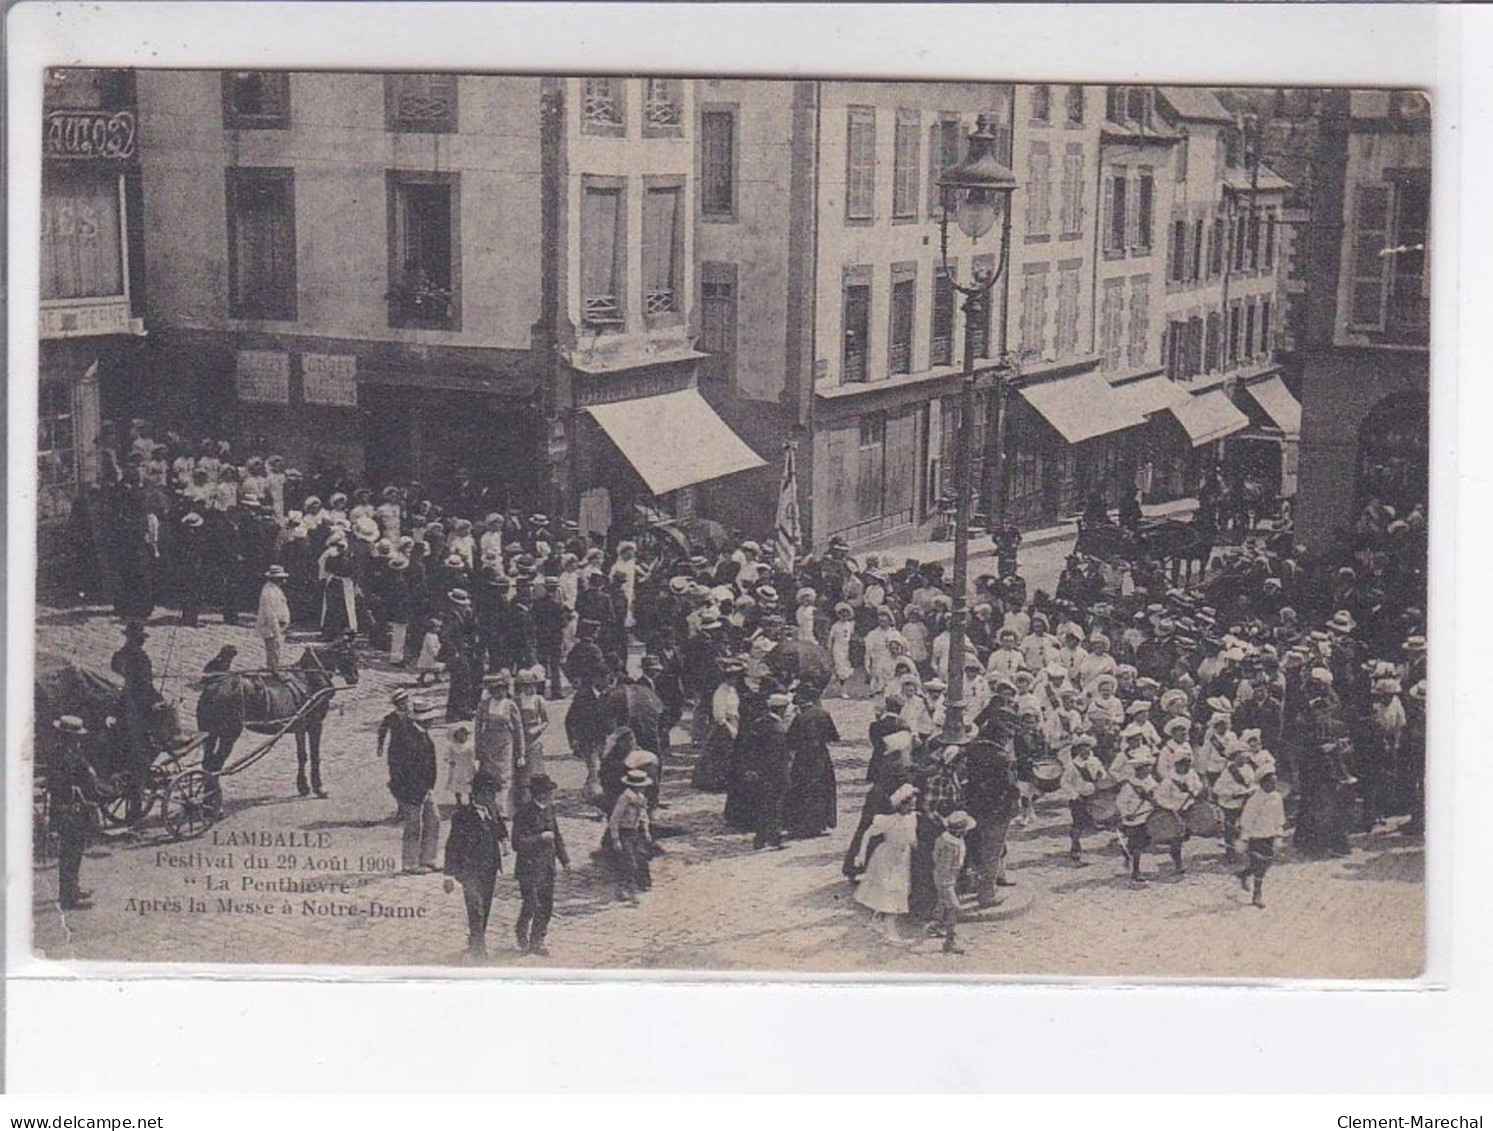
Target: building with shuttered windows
[1364, 353]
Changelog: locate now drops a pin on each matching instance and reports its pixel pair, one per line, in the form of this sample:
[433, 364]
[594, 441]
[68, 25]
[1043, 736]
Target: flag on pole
[789, 532]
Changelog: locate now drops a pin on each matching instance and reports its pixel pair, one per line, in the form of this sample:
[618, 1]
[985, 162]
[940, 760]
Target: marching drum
[1202, 818]
[1164, 827]
[1047, 774]
[1102, 806]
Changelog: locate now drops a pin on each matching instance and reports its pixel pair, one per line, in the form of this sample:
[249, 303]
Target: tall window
[1118, 199]
[1178, 272]
[1249, 329]
[941, 337]
[1114, 104]
[1042, 103]
[1408, 307]
[1269, 251]
[943, 153]
[1070, 219]
[261, 244]
[718, 321]
[663, 107]
[420, 103]
[663, 250]
[1111, 322]
[603, 256]
[1034, 312]
[860, 163]
[906, 166]
[1138, 105]
[603, 107]
[1241, 241]
[857, 333]
[1144, 209]
[1234, 334]
[718, 163]
[1073, 106]
[1069, 285]
[1197, 252]
[1039, 190]
[1180, 166]
[1140, 321]
[1194, 346]
[423, 263]
[1212, 342]
[1216, 249]
[1267, 344]
[903, 313]
[256, 100]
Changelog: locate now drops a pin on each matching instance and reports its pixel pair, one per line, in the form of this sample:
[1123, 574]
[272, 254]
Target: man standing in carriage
[132, 664]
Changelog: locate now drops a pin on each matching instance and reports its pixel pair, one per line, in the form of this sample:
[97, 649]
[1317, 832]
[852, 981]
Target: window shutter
[1370, 237]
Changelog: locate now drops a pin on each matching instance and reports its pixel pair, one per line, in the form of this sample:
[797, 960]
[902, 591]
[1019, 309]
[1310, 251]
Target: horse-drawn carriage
[1178, 544]
[177, 773]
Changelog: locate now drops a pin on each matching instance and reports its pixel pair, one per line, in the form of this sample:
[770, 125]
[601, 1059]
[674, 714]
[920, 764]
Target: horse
[262, 702]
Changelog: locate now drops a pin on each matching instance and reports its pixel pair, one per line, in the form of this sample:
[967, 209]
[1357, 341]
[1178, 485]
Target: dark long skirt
[809, 808]
[713, 770]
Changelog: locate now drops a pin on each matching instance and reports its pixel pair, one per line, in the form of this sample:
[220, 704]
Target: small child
[632, 836]
[948, 862]
[461, 761]
[426, 665]
[529, 683]
[1261, 824]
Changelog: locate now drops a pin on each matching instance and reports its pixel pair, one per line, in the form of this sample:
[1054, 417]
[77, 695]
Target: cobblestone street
[715, 905]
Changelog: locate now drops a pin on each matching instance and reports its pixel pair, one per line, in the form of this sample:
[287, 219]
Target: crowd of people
[1285, 692]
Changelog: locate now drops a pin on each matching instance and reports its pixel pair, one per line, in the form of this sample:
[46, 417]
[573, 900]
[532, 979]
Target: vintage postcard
[721, 525]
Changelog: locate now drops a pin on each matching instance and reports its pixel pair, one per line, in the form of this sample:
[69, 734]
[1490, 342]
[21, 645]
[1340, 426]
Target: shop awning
[1082, 407]
[1209, 416]
[1280, 406]
[1152, 394]
[674, 440]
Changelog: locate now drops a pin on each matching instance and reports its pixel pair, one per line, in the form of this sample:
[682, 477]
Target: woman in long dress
[841, 634]
[810, 809]
[886, 879]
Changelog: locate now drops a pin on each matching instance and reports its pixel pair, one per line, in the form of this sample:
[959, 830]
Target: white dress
[840, 635]
[887, 882]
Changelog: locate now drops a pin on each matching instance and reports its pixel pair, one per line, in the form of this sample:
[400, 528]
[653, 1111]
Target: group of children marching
[1226, 779]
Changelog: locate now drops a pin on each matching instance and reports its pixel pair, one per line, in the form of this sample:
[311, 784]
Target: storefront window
[56, 452]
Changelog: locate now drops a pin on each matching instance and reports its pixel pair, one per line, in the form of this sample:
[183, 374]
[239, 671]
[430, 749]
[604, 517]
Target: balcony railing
[661, 300]
[602, 310]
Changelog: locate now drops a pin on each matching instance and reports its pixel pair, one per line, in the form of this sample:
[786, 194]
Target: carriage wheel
[119, 800]
[188, 807]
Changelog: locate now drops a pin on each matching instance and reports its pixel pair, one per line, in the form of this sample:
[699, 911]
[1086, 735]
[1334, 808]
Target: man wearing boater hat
[273, 618]
[72, 790]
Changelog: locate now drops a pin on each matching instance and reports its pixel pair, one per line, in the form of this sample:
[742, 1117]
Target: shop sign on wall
[330, 379]
[263, 376]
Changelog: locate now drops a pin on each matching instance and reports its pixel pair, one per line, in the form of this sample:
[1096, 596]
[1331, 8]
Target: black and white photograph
[529, 522]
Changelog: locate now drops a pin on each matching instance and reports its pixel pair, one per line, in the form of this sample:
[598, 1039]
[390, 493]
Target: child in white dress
[886, 880]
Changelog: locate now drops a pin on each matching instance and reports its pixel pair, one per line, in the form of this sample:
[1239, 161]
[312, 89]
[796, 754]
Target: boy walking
[539, 845]
[1261, 824]
[948, 862]
[632, 835]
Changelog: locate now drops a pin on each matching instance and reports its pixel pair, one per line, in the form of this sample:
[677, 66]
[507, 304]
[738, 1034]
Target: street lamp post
[976, 196]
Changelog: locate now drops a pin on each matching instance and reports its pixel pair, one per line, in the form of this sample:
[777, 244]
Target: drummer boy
[1083, 777]
[1232, 790]
[1135, 804]
[1180, 787]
